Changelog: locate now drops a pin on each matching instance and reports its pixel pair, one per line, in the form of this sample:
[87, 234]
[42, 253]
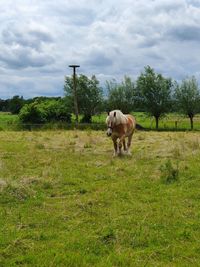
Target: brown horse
[120, 126]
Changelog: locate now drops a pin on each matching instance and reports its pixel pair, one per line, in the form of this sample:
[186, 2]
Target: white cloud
[110, 39]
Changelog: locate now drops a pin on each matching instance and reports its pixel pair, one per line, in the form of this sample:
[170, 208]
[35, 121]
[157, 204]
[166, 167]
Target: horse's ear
[115, 114]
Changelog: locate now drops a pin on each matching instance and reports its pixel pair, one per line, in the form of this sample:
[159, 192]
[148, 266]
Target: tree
[4, 105]
[154, 93]
[121, 96]
[187, 98]
[15, 104]
[89, 95]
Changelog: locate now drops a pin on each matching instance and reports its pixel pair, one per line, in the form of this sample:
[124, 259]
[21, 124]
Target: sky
[39, 39]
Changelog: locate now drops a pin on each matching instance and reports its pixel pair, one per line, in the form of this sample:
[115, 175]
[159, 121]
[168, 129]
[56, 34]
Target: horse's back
[131, 121]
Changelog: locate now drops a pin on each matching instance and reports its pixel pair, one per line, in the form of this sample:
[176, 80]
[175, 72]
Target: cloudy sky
[108, 38]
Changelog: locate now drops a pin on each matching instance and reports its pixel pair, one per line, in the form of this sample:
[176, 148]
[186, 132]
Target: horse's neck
[123, 119]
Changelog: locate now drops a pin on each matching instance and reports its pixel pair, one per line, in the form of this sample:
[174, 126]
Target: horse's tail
[140, 127]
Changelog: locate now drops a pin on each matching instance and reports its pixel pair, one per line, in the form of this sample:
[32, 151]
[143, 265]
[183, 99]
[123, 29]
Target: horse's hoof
[120, 155]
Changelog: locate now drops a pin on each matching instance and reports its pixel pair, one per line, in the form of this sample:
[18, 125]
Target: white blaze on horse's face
[109, 131]
[110, 123]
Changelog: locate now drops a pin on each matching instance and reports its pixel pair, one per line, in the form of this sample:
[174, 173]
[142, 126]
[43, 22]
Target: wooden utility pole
[75, 91]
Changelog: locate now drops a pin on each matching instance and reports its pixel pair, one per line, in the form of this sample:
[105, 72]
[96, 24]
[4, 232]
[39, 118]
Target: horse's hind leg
[129, 143]
[122, 141]
[124, 145]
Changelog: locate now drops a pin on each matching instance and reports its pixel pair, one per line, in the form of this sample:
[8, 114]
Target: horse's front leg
[122, 141]
[115, 146]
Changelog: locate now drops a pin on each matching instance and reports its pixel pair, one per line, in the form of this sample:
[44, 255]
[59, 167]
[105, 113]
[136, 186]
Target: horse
[120, 126]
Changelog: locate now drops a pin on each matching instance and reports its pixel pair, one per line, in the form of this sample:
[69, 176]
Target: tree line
[155, 95]
[151, 92]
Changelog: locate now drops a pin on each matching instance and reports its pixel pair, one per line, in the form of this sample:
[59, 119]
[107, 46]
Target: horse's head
[110, 121]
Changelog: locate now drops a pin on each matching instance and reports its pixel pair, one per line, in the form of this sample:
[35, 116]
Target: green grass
[64, 201]
[170, 122]
[8, 121]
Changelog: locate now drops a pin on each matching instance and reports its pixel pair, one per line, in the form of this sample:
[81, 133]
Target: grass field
[66, 202]
[8, 121]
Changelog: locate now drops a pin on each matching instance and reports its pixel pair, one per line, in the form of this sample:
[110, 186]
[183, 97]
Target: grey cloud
[24, 58]
[41, 36]
[148, 43]
[194, 3]
[82, 16]
[27, 38]
[185, 33]
[23, 47]
[168, 6]
[98, 59]
[155, 56]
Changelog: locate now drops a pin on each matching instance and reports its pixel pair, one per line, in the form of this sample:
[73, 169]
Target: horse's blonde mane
[119, 117]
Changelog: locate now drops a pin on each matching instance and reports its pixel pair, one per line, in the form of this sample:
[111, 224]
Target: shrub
[169, 173]
[46, 111]
[87, 118]
[33, 113]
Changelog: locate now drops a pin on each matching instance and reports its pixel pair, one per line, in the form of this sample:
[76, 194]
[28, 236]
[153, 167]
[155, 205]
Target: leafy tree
[89, 95]
[187, 98]
[121, 96]
[154, 93]
[41, 99]
[4, 105]
[15, 104]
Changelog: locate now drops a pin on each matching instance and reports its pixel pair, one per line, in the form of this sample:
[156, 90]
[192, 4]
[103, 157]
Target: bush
[87, 118]
[46, 111]
[57, 111]
[33, 113]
